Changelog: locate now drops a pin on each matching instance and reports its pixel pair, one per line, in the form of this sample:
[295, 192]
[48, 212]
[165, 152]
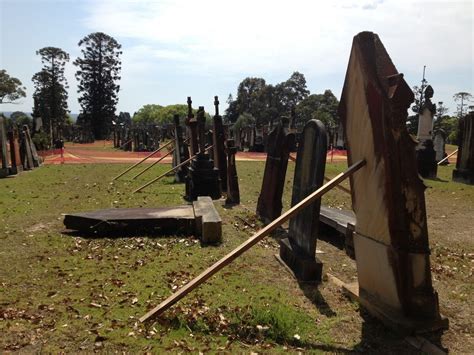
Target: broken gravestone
[298, 251]
[391, 234]
[464, 171]
[269, 204]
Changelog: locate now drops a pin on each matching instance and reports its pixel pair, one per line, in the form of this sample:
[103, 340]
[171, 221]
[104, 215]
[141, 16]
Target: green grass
[60, 292]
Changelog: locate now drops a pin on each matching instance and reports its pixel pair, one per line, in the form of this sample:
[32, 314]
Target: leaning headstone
[425, 153]
[16, 165]
[4, 164]
[464, 171]
[233, 193]
[218, 139]
[269, 204]
[298, 251]
[203, 178]
[439, 145]
[34, 153]
[25, 152]
[391, 235]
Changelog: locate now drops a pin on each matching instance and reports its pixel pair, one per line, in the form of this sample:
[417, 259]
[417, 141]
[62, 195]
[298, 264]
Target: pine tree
[97, 74]
[50, 96]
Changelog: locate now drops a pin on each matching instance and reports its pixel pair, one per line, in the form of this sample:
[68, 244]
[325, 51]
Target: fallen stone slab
[208, 221]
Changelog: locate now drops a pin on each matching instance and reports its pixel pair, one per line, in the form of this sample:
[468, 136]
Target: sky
[178, 48]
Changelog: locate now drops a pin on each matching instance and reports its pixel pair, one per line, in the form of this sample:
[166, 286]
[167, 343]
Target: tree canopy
[11, 88]
[98, 73]
[50, 96]
[158, 114]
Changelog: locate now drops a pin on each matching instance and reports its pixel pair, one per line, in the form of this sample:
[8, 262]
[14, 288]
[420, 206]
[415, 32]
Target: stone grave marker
[298, 251]
[233, 193]
[391, 235]
[218, 140]
[439, 145]
[425, 153]
[269, 204]
[16, 165]
[4, 159]
[464, 171]
[34, 154]
[181, 152]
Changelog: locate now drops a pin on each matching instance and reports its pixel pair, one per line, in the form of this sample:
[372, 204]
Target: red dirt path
[102, 152]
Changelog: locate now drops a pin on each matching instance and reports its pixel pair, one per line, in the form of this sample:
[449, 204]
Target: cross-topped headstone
[218, 140]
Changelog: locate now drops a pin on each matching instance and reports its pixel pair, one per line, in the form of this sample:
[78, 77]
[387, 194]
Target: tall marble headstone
[391, 234]
[269, 204]
[464, 171]
[298, 251]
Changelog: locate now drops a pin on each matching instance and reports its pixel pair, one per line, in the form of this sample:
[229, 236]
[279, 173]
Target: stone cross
[298, 251]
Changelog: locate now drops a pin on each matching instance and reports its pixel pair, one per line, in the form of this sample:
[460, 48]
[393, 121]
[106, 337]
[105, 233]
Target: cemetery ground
[63, 292]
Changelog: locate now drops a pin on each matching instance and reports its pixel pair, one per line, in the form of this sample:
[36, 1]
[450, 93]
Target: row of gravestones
[212, 169]
[138, 139]
[17, 150]
[390, 234]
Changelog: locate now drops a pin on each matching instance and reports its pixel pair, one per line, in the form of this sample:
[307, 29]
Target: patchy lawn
[60, 292]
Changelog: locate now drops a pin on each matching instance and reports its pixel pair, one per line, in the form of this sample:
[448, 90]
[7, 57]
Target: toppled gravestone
[201, 220]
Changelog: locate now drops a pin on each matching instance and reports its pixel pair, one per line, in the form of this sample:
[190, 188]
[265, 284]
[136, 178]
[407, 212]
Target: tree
[11, 88]
[98, 74]
[291, 92]
[231, 113]
[464, 97]
[319, 106]
[50, 96]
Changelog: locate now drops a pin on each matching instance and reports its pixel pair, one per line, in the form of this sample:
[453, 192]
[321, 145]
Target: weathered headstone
[298, 251]
[233, 193]
[391, 235]
[181, 152]
[4, 159]
[464, 171]
[192, 124]
[269, 202]
[25, 151]
[218, 139]
[439, 145]
[425, 153]
[34, 153]
[16, 165]
[203, 178]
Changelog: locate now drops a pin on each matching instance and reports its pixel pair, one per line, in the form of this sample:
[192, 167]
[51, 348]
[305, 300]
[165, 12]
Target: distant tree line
[260, 103]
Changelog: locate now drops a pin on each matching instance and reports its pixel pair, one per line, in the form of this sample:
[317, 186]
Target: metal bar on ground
[141, 161]
[169, 171]
[152, 165]
[446, 158]
[124, 144]
[258, 236]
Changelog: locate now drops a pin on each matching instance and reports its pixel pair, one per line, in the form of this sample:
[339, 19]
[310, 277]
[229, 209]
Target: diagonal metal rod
[446, 158]
[169, 171]
[197, 281]
[152, 165]
[141, 161]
